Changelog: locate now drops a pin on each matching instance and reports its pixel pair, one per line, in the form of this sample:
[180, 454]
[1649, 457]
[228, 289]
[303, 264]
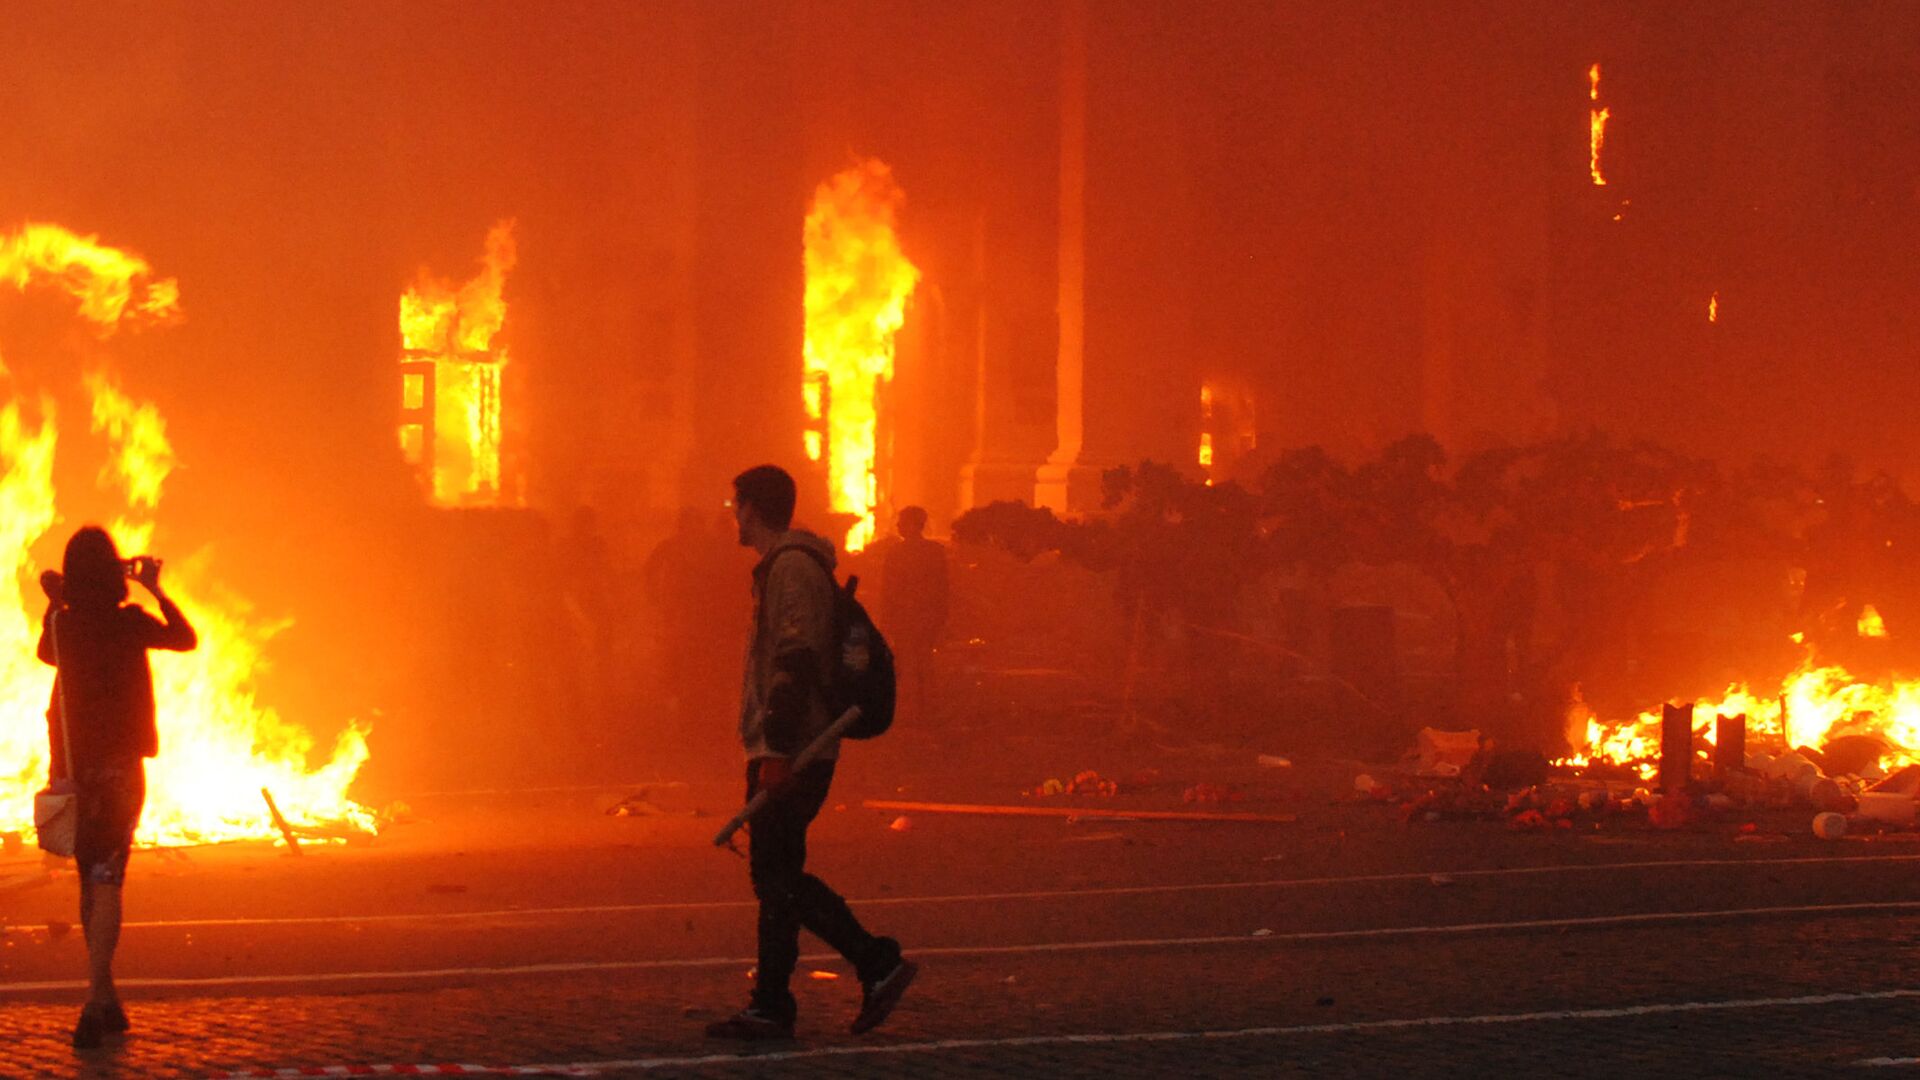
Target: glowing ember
[219, 747]
[858, 283]
[1870, 624]
[1206, 429]
[1713, 308]
[1596, 126]
[450, 382]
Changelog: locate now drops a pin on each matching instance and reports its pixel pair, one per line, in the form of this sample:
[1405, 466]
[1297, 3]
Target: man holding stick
[783, 717]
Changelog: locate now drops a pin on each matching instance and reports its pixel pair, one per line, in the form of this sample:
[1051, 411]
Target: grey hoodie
[792, 633]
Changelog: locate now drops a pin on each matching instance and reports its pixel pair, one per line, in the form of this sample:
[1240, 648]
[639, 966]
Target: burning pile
[1814, 706]
[219, 746]
[858, 283]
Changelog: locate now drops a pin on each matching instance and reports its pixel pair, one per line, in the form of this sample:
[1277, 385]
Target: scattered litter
[1829, 826]
[1274, 761]
[1445, 753]
[1442, 879]
[903, 823]
[1263, 932]
[822, 976]
[1365, 784]
[1888, 807]
[1010, 980]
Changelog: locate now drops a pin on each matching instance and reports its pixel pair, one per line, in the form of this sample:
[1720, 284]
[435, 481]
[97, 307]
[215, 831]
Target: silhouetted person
[913, 596]
[104, 693]
[690, 582]
[782, 710]
[587, 582]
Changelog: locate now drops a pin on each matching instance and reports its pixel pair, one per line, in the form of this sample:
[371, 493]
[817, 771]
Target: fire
[450, 382]
[1870, 624]
[858, 284]
[219, 746]
[1206, 430]
[1713, 308]
[1597, 117]
[1814, 705]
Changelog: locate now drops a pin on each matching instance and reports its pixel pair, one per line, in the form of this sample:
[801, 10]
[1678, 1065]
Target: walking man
[790, 655]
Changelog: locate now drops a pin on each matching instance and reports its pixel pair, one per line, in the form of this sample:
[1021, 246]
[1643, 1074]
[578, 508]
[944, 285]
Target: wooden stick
[800, 761]
[1085, 813]
[280, 823]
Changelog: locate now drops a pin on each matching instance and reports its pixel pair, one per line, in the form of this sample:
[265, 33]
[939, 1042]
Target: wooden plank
[1084, 813]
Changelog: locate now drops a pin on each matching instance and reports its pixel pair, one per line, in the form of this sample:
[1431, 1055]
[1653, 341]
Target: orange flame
[451, 380]
[219, 747]
[1596, 126]
[1822, 703]
[858, 284]
[1870, 624]
[1713, 308]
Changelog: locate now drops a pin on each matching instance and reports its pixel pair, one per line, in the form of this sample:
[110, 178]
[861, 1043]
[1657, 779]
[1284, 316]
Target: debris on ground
[1445, 753]
[903, 823]
[1273, 761]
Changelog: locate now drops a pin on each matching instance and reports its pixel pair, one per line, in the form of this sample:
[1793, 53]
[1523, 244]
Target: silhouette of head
[94, 572]
[912, 523]
[764, 496]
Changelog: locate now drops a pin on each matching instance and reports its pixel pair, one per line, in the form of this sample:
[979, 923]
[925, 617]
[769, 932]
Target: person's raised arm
[174, 633]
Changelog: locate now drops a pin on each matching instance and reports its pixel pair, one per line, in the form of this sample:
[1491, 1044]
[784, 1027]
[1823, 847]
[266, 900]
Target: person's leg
[776, 853]
[103, 937]
[821, 910]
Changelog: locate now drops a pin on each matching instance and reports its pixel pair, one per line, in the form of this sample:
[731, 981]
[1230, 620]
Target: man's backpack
[862, 670]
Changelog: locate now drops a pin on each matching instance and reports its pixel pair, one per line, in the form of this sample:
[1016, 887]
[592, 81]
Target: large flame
[858, 283]
[1597, 117]
[1813, 706]
[451, 380]
[219, 746]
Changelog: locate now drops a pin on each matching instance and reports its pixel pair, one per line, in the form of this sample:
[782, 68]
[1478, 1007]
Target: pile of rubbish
[1454, 776]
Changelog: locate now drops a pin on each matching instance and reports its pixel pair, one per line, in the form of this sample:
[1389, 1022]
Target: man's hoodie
[782, 704]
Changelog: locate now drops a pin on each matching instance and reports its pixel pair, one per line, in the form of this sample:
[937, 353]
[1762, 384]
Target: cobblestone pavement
[1342, 945]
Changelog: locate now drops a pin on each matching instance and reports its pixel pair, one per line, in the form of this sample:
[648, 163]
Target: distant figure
[679, 592]
[103, 698]
[587, 584]
[913, 596]
[782, 711]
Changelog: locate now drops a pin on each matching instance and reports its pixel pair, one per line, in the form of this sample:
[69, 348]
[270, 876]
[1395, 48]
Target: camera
[132, 566]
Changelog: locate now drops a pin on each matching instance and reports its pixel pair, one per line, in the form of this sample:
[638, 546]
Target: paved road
[532, 930]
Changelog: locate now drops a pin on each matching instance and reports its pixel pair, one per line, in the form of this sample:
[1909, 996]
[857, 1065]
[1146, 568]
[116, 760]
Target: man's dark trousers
[791, 898]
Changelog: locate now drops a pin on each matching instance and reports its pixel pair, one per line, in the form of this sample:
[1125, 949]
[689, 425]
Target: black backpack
[862, 670]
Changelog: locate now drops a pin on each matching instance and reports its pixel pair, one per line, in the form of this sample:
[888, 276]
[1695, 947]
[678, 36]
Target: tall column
[1056, 482]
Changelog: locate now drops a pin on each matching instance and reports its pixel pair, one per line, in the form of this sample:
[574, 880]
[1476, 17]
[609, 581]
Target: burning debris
[858, 284]
[222, 747]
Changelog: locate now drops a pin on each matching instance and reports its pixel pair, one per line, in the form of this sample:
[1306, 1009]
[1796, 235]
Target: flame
[1596, 126]
[1821, 703]
[858, 283]
[1713, 308]
[1870, 624]
[1206, 429]
[219, 746]
[451, 379]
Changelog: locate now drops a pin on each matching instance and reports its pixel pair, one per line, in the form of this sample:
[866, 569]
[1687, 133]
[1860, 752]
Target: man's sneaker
[877, 998]
[752, 1024]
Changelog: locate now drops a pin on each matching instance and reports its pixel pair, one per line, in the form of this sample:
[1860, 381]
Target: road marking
[1034, 948]
[1038, 894]
[754, 1059]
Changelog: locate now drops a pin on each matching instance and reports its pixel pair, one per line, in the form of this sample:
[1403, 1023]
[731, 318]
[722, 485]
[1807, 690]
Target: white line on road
[1034, 948]
[1038, 894]
[588, 1068]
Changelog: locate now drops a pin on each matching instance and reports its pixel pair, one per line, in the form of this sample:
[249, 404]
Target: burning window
[451, 366]
[858, 283]
[1597, 116]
